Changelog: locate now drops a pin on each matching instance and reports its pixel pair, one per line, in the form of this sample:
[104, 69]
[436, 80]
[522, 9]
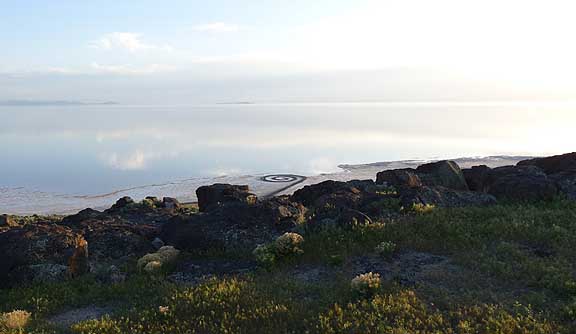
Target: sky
[187, 51]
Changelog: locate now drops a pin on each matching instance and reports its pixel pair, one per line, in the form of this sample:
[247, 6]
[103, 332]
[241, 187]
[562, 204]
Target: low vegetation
[507, 268]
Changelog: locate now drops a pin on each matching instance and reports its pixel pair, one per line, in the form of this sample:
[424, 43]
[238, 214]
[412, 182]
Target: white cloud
[217, 27]
[136, 160]
[129, 41]
[130, 69]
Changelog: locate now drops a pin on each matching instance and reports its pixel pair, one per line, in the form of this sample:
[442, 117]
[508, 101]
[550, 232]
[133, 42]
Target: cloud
[136, 160]
[217, 27]
[131, 70]
[128, 41]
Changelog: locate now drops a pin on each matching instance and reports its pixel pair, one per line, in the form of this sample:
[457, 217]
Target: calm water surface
[97, 149]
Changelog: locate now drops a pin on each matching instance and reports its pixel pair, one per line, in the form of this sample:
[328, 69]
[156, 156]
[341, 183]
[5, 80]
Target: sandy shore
[25, 201]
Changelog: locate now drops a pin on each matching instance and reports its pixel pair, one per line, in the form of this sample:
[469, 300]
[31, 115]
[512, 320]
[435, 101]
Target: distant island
[238, 102]
[12, 103]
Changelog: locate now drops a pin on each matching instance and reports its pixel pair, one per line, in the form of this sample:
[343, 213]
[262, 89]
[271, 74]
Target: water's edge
[23, 201]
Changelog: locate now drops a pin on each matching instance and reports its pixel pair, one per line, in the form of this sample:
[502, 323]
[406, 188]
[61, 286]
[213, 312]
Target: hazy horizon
[189, 52]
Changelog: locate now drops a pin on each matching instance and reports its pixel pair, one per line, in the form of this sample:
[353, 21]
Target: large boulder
[566, 183]
[41, 252]
[122, 203]
[81, 216]
[406, 177]
[150, 210]
[436, 174]
[282, 212]
[476, 177]
[561, 169]
[113, 238]
[213, 196]
[308, 195]
[443, 197]
[522, 183]
[443, 174]
[553, 164]
[234, 226]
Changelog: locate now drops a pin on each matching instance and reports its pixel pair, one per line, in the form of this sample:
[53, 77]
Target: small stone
[157, 243]
[171, 203]
[115, 275]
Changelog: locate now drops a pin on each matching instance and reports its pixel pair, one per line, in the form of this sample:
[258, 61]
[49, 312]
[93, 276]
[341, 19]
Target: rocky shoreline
[230, 218]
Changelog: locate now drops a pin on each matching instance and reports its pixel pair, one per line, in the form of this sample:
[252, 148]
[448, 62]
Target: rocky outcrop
[150, 210]
[443, 197]
[234, 225]
[406, 177]
[561, 169]
[442, 174]
[566, 183]
[516, 183]
[112, 238]
[41, 252]
[211, 197]
[476, 177]
[309, 195]
[282, 212]
[343, 204]
[520, 183]
[554, 164]
[437, 174]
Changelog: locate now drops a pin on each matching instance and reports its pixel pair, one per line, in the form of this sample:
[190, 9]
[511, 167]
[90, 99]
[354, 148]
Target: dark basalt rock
[41, 252]
[112, 238]
[233, 225]
[211, 197]
[406, 177]
[310, 194]
[561, 169]
[553, 164]
[522, 183]
[170, 203]
[443, 197]
[338, 194]
[149, 211]
[81, 216]
[566, 183]
[476, 177]
[443, 174]
[282, 212]
[122, 203]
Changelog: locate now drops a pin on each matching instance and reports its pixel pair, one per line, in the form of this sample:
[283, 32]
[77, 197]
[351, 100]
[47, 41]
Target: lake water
[90, 150]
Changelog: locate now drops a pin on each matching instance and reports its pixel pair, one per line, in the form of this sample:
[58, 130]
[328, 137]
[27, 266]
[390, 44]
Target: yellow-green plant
[385, 249]
[265, 255]
[15, 320]
[153, 262]
[366, 284]
[289, 244]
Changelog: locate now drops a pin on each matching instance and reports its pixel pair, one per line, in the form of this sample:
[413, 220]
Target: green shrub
[216, 306]
[385, 249]
[404, 312]
[265, 255]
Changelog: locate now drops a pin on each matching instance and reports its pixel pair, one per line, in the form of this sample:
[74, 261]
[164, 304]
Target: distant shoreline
[22, 201]
[31, 103]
